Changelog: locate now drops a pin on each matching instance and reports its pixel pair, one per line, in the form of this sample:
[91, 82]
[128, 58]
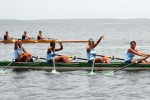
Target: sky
[74, 9]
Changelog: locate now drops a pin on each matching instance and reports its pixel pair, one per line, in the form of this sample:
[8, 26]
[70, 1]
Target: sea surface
[76, 85]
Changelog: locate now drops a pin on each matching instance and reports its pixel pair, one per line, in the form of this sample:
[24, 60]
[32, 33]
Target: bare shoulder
[87, 47]
[49, 48]
[130, 49]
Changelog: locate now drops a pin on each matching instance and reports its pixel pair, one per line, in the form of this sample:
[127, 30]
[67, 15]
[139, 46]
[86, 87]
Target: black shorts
[128, 61]
[50, 61]
[90, 61]
[16, 60]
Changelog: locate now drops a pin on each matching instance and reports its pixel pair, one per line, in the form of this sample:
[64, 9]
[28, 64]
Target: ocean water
[76, 85]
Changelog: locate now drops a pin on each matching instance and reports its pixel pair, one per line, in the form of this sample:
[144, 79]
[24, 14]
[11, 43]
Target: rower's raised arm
[16, 45]
[98, 41]
[61, 47]
[48, 50]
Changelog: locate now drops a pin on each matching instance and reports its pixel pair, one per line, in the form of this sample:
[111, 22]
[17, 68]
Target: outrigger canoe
[74, 66]
[43, 41]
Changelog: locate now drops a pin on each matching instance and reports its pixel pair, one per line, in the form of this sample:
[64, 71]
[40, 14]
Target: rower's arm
[61, 47]
[88, 49]
[16, 45]
[145, 55]
[99, 40]
[8, 37]
[48, 50]
[136, 52]
[41, 36]
[27, 37]
[24, 50]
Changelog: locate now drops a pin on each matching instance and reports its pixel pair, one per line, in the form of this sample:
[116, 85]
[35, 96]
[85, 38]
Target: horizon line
[79, 19]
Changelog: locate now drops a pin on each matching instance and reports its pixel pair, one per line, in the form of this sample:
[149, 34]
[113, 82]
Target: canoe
[43, 41]
[73, 66]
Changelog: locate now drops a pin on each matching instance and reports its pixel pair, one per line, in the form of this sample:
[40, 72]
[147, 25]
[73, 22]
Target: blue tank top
[91, 55]
[51, 55]
[17, 52]
[128, 56]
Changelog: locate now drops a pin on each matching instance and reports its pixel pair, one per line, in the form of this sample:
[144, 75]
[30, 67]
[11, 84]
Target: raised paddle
[3, 70]
[110, 57]
[113, 72]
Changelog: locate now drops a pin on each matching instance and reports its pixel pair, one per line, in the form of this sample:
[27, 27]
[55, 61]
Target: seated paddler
[6, 36]
[131, 52]
[51, 53]
[91, 53]
[20, 53]
[25, 36]
[40, 37]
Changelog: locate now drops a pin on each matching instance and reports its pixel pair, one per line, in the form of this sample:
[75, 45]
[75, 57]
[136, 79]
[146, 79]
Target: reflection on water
[75, 85]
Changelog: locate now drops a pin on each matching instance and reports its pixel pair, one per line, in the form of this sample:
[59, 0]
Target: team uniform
[91, 55]
[128, 57]
[50, 56]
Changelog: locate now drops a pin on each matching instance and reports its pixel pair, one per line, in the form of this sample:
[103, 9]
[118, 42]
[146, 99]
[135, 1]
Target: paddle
[74, 57]
[3, 70]
[110, 57]
[113, 72]
[92, 73]
[80, 58]
[54, 69]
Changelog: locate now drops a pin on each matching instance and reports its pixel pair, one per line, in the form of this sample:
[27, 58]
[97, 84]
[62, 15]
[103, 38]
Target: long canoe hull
[43, 41]
[74, 66]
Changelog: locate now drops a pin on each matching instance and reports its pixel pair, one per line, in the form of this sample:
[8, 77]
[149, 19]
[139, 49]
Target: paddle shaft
[111, 57]
[93, 65]
[131, 64]
[8, 65]
[74, 57]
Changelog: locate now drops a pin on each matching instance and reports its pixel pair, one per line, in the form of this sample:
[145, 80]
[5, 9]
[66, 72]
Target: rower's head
[6, 32]
[52, 44]
[91, 43]
[25, 32]
[133, 44]
[40, 32]
[19, 42]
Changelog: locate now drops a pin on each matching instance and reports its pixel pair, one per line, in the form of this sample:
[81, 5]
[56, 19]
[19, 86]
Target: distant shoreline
[76, 19]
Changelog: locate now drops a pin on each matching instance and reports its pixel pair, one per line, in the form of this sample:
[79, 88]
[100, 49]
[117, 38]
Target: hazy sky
[73, 9]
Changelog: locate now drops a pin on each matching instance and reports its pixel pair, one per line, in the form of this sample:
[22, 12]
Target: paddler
[40, 37]
[6, 36]
[131, 52]
[25, 36]
[91, 53]
[51, 53]
[20, 54]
